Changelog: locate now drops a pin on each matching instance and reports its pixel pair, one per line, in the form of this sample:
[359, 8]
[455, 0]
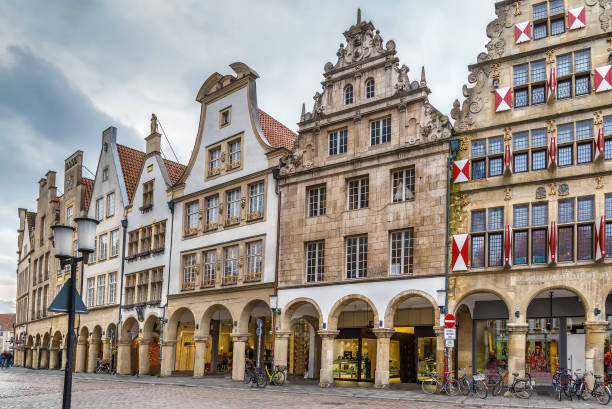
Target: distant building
[7, 333]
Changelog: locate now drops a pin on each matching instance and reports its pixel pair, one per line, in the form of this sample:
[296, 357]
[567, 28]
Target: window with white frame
[103, 248]
[189, 271]
[114, 238]
[370, 88]
[101, 289]
[316, 201]
[358, 193]
[100, 208]
[315, 261]
[380, 131]
[254, 261]
[94, 253]
[256, 200]
[403, 185]
[337, 142]
[212, 212]
[230, 264]
[235, 154]
[112, 287]
[192, 216]
[357, 257]
[348, 95]
[210, 268]
[110, 204]
[143, 286]
[233, 206]
[214, 161]
[130, 289]
[91, 289]
[69, 216]
[401, 252]
[157, 279]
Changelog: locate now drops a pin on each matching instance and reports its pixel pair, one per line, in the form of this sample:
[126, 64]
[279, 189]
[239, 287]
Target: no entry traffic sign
[449, 321]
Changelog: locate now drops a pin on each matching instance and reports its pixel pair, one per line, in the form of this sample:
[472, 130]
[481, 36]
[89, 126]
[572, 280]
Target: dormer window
[348, 95]
[105, 174]
[147, 195]
[370, 88]
[225, 117]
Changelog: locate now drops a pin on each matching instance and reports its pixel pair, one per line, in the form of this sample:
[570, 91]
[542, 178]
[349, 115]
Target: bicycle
[521, 387]
[564, 383]
[476, 386]
[275, 377]
[249, 373]
[436, 383]
[599, 391]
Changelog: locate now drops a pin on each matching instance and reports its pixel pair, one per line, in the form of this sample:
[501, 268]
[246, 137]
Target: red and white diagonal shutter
[576, 18]
[461, 171]
[460, 252]
[552, 243]
[603, 78]
[600, 238]
[507, 160]
[599, 143]
[522, 32]
[552, 84]
[503, 99]
[553, 151]
[508, 246]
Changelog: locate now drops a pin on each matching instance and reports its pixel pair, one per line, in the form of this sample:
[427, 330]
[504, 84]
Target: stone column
[106, 349]
[594, 346]
[44, 358]
[439, 330]
[81, 359]
[326, 376]
[200, 357]
[238, 356]
[36, 358]
[381, 375]
[53, 358]
[28, 357]
[281, 347]
[144, 365]
[64, 358]
[516, 349]
[167, 363]
[94, 349]
[124, 360]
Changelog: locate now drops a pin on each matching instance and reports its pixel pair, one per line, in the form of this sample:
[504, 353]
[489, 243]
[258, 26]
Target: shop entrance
[304, 349]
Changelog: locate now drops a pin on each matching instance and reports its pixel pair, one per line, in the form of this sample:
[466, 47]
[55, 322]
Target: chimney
[154, 139]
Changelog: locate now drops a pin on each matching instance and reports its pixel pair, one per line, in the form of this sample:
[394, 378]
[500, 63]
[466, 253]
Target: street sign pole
[68, 371]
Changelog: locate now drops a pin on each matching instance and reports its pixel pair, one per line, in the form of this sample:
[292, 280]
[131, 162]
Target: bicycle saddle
[515, 374]
[597, 376]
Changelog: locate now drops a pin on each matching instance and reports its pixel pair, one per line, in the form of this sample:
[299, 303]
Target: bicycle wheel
[452, 387]
[464, 386]
[529, 388]
[248, 376]
[262, 379]
[519, 387]
[600, 393]
[482, 390]
[498, 387]
[429, 385]
[278, 378]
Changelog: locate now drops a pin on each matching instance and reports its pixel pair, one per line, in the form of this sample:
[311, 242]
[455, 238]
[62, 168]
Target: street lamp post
[62, 243]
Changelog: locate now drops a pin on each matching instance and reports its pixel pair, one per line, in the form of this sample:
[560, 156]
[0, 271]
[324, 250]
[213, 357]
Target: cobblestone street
[21, 389]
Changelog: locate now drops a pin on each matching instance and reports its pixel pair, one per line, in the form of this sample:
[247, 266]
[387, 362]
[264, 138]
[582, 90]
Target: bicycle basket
[479, 377]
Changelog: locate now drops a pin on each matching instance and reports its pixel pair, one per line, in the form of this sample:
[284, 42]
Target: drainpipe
[124, 225]
[163, 321]
[275, 174]
[453, 149]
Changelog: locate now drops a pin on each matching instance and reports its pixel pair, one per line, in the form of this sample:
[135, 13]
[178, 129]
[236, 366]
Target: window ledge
[145, 209]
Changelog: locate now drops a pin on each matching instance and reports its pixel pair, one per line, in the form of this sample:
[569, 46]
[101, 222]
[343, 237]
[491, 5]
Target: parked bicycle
[276, 376]
[249, 373]
[564, 384]
[599, 390]
[102, 366]
[476, 385]
[435, 383]
[521, 387]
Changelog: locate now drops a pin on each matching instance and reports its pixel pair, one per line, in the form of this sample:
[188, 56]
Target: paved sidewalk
[543, 399]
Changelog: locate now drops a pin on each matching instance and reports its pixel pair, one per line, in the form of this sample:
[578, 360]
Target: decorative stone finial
[358, 16]
[303, 115]
[153, 123]
[423, 80]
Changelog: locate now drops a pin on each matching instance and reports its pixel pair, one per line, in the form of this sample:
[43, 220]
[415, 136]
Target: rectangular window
[189, 271]
[143, 286]
[495, 249]
[212, 212]
[479, 148]
[496, 145]
[145, 239]
[495, 166]
[608, 149]
[357, 257]
[233, 206]
[159, 237]
[316, 201]
[496, 218]
[566, 243]
[538, 94]
[315, 261]
[235, 155]
[224, 117]
[478, 220]
[214, 162]
[556, 7]
[540, 30]
[585, 209]
[133, 238]
[564, 89]
[101, 289]
[521, 97]
[520, 163]
[538, 246]
[94, 253]
[91, 289]
[210, 268]
[557, 26]
[520, 247]
[539, 214]
[521, 74]
[538, 138]
[520, 141]
[130, 289]
[69, 216]
[256, 201]
[403, 185]
[478, 169]
[157, 279]
[103, 253]
[380, 131]
[254, 261]
[112, 287]
[100, 209]
[147, 194]
[538, 160]
[337, 142]
[110, 205]
[565, 155]
[564, 65]
[478, 252]
[521, 216]
[585, 242]
[114, 249]
[566, 211]
[230, 264]
[565, 133]
[584, 130]
[538, 71]
[583, 85]
[582, 61]
[358, 194]
[401, 252]
[540, 11]
[585, 152]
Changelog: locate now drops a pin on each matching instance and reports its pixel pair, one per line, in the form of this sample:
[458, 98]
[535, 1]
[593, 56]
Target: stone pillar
[64, 358]
[326, 377]
[381, 375]
[594, 346]
[238, 356]
[144, 365]
[439, 330]
[167, 363]
[28, 357]
[53, 358]
[124, 359]
[36, 358]
[200, 357]
[94, 349]
[81, 358]
[516, 349]
[106, 349]
[44, 358]
[281, 347]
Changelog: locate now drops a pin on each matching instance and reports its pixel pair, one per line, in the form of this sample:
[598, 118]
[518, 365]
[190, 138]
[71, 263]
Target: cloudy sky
[70, 69]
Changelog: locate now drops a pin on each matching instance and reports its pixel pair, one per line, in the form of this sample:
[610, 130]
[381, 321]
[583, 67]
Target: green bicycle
[275, 377]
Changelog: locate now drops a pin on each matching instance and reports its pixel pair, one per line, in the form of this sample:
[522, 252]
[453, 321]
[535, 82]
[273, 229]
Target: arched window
[348, 95]
[370, 88]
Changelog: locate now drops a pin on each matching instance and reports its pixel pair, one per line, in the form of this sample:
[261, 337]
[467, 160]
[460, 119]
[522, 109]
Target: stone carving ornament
[605, 15]
[435, 126]
[403, 83]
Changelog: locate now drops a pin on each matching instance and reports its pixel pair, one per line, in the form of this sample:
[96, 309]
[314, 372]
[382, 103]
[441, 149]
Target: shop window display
[491, 347]
[427, 357]
[355, 359]
[542, 349]
[608, 351]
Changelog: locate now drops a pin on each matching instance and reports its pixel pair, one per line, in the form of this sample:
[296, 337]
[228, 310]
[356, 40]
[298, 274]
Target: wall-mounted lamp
[517, 313]
[235, 324]
[380, 324]
[274, 304]
[441, 295]
[325, 325]
[597, 311]
[197, 326]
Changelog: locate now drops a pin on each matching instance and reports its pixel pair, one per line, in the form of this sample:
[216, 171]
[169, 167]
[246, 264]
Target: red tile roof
[175, 170]
[88, 188]
[131, 165]
[7, 321]
[277, 134]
